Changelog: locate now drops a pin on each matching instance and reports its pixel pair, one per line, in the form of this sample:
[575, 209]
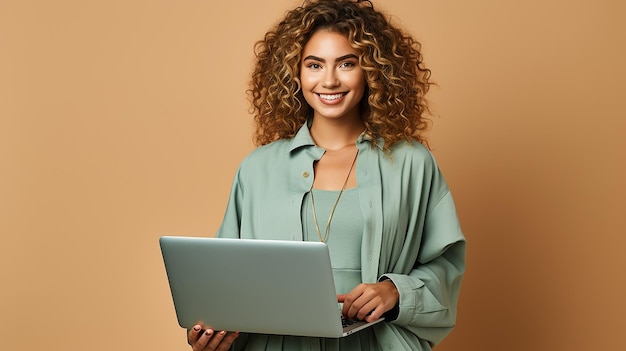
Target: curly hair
[393, 107]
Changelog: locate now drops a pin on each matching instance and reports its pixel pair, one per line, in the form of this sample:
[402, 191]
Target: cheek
[356, 81]
[359, 84]
[307, 91]
[306, 81]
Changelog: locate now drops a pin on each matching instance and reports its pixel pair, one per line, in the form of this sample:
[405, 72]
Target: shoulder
[412, 149]
[413, 164]
[267, 154]
[410, 154]
[269, 151]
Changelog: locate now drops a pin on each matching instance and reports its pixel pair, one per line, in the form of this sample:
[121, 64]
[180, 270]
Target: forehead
[327, 44]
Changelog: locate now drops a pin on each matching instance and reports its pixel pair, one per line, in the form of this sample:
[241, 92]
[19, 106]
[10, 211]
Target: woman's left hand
[369, 301]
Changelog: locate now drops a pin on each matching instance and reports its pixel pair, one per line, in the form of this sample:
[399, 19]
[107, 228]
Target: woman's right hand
[209, 339]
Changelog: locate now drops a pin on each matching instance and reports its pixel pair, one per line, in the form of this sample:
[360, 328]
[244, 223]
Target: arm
[429, 293]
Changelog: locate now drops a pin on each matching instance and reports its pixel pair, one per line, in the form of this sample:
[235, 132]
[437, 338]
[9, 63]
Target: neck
[335, 135]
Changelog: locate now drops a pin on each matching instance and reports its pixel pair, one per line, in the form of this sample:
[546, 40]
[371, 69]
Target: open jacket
[411, 232]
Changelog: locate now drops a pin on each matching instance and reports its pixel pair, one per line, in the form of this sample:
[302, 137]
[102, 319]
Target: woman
[338, 94]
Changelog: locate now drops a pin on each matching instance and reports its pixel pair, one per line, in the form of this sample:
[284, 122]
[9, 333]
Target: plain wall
[121, 121]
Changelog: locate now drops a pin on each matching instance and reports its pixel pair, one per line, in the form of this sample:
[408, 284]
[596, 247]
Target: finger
[384, 296]
[203, 340]
[376, 314]
[227, 341]
[365, 310]
[365, 303]
[347, 305]
[351, 310]
[356, 305]
[216, 339]
[349, 300]
[372, 312]
[194, 334]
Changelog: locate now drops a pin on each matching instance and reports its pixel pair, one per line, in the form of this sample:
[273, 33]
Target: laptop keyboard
[345, 321]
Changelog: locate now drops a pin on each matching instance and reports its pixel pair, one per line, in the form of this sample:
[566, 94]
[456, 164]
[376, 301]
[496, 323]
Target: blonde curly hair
[393, 107]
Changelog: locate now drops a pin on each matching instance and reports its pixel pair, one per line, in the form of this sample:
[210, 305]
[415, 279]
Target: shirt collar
[303, 138]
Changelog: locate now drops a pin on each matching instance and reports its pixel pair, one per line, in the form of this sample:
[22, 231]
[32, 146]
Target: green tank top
[344, 236]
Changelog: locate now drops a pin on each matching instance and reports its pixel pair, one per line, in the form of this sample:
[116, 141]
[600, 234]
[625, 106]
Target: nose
[330, 79]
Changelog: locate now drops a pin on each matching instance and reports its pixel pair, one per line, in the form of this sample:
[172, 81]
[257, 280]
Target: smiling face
[332, 81]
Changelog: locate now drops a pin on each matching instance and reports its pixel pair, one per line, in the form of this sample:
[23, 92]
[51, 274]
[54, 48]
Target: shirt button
[305, 174]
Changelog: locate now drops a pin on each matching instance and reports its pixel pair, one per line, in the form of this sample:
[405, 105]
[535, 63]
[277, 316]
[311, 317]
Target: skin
[369, 301]
[332, 81]
[209, 339]
[333, 84]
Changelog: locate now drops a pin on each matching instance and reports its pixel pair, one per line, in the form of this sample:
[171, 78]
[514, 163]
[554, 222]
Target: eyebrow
[340, 58]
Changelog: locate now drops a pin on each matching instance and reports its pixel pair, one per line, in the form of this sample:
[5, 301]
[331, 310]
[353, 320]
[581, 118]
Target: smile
[331, 97]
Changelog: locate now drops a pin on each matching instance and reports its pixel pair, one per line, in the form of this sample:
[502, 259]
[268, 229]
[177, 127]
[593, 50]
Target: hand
[209, 339]
[369, 301]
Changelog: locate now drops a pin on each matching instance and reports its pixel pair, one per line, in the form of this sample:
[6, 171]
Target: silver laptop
[255, 286]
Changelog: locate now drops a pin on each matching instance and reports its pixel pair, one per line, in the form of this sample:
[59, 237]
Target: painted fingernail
[196, 328]
[223, 332]
[208, 332]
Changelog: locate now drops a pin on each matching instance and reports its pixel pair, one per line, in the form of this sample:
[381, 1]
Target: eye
[347, 64]
[314, 65]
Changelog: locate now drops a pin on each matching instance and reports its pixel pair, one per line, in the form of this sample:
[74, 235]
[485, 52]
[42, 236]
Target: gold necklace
[332, 211]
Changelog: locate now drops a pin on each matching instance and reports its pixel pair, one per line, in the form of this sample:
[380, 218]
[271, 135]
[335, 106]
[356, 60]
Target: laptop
[255, 286]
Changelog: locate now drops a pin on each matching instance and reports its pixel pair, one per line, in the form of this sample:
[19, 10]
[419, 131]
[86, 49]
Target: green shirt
[411, 232]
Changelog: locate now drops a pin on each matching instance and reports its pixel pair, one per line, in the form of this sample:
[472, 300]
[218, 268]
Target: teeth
[330, 97]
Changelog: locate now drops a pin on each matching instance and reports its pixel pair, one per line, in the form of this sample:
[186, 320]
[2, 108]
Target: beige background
[124, 120]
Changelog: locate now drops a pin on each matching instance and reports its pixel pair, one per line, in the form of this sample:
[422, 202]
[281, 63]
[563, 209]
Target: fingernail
[223, 332]
[208, 332]
[196, 328]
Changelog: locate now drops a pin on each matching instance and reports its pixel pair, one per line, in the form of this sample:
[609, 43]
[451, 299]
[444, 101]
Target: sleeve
[429, 292]
[231, 224]
[230, 228]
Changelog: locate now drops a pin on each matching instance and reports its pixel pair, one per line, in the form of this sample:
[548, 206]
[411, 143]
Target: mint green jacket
[411, 232]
